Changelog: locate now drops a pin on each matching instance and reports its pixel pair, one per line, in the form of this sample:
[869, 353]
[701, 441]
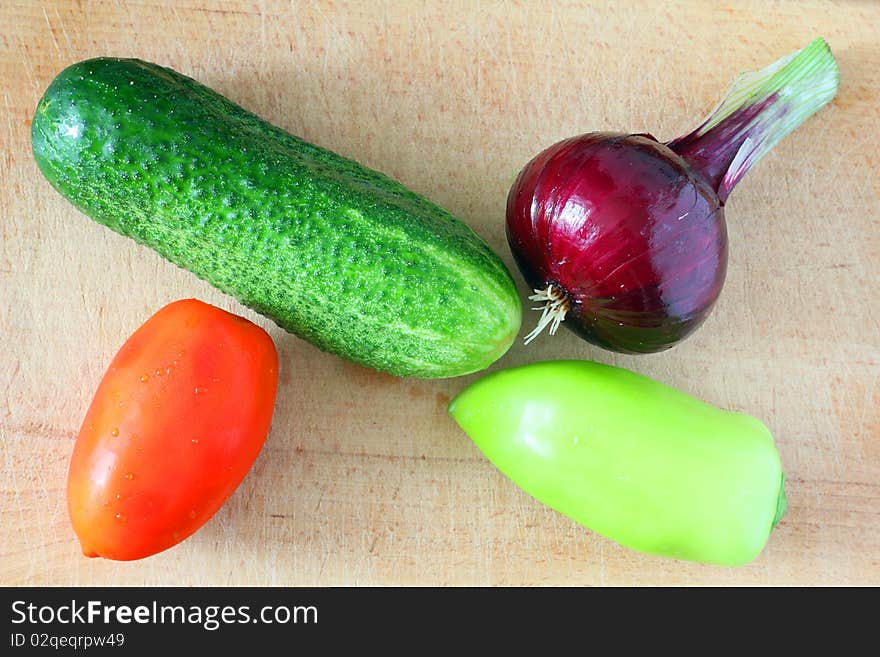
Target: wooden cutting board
[364, 479]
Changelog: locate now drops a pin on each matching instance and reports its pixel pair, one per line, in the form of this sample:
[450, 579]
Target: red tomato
[174, 427]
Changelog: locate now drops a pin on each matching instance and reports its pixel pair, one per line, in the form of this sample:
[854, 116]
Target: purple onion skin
[623, 237]
[627, 231]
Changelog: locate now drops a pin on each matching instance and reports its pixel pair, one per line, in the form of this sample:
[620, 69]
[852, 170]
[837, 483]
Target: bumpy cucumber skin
[332, 251]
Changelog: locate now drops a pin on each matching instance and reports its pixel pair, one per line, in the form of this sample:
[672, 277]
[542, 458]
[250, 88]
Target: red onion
[624, 238]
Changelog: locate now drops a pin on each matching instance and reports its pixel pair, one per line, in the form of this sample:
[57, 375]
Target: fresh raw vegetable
[174, 427]
[624, 238]
[334, 252]
[636, 461]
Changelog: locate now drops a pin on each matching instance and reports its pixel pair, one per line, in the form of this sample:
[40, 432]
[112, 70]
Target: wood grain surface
[364, 479]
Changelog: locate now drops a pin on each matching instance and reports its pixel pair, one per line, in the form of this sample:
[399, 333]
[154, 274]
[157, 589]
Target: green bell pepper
[641, 463]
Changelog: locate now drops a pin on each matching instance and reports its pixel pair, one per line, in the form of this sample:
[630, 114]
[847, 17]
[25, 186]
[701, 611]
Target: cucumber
[332, 251]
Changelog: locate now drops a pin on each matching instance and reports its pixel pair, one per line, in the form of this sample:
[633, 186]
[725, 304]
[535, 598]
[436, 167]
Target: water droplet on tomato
[195, 441]
[114, 432]
[129, 476]
[200, 390]
[120, 517]
[145, 378]
[158, 371]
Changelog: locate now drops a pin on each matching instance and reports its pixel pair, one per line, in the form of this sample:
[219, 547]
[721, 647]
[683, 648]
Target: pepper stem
[554, 309]
[781, 503]
[759, 109]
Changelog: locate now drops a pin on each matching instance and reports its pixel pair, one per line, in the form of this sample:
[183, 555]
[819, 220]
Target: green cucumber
[332, 251]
